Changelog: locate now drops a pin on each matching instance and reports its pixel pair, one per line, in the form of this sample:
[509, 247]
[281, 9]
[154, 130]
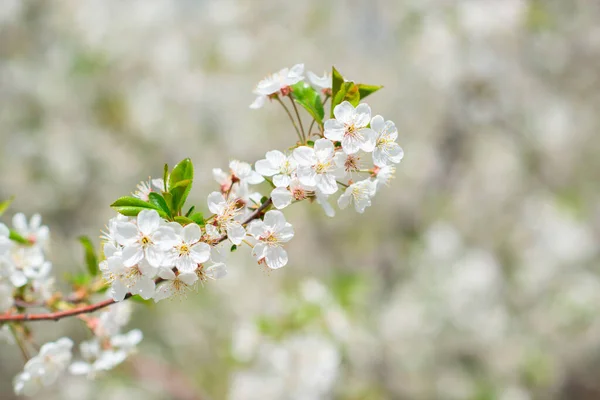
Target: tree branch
[55, 316]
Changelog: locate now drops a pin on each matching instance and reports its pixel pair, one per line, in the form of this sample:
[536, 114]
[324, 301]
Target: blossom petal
[362, 116]
[305, 156]
[334, 130]
[132, 255]
[281, 197]
[191, 233]
[189, 278]
[369, 138]
[259, 102]
[276, 257]
[344, 112]
[378, 124]
[274, 220]
[148, 221]
[216, 202]
[236, 233]
[265, 167]
[200, 252]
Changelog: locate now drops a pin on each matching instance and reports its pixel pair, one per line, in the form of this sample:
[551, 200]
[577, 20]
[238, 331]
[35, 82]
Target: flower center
[351, 163]
[184, 250]
[322, 167]
[145, 241]
[299, 193]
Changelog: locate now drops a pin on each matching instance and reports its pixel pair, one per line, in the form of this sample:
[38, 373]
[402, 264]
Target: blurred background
[475, 275]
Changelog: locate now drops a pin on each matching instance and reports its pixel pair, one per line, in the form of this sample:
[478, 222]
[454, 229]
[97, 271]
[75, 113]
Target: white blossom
[384, 175]
[34, 231]
[146, 240]
[227, 217]
[316, 166]
[144, 188]
[189, 251]
[96, 359]
[277, 165]
[283, 197]
[386, 151]
[5, 243]
[271, 233]
[350, 127]
[359, 193]
[176, 284]
[137, 279]
[276, 83]
[319, 82]
[45, 368]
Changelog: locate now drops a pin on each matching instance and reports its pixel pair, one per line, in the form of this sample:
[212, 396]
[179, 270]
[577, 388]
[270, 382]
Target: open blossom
[45, 368]
[319, 82]
[144, 188]
[188, 251]
[316, 166]
[277, 165]
[96, 359]
[239, 172]
[271, 233]
[277, 83]
[146, 240]
[384, 175]
[283, 197]
[350, 127]
[33, 231]
[360, 194]
[136, 279]
[227, 214]
[386, 151]
[176, 284]
[346, 164]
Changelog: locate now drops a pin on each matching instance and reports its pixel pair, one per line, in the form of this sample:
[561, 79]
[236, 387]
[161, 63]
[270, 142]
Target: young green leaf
[159, 201]
[91, 259]
[336, 82]
[183, 220]
[15, 237]
[190, 211]
[131, 206]
[365, 90]
[166, 177]
[180, 184]
[310, 99]
[5, 204]
[348, 92]
[198, 218]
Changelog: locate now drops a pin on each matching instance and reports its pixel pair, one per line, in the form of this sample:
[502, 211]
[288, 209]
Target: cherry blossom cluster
[158, 247]
[23, 265]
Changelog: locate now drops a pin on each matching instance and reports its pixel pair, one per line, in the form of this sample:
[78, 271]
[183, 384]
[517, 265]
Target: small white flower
[271, 233]
[227, 215]
[189, 250]
[346, 164]
[277, 83]
[127, 342]
[283, 197]
[45, 368]
[360, 194]
[350, 127]
[318, 82]
[147, 240]
[322, 201]
[384, 175]
[112, 319]
[277, 165]
[144, 188]
[175, 284]
[33, 231]
[96, 359]
[136, 279]
[386, 151]
[316, 166]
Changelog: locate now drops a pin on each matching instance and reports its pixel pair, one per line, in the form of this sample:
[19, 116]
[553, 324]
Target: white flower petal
[148, 221]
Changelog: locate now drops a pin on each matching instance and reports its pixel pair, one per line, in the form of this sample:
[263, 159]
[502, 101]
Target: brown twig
[55, 316]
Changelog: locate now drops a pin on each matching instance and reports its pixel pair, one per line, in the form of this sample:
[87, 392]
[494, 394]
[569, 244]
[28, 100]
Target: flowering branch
[155, 249]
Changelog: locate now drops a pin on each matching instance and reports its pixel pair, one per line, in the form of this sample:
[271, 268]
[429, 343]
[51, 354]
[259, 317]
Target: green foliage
[183, 220]
[233, 248]
[342, 90]
[198, 218]
[91, 259]
[160, 202]
[131, 206]
[180, 184]
[310, 99]
[14, 236]
[5, 204]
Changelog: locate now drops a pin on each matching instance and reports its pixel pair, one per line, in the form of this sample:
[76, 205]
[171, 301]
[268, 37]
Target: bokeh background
[475, 275]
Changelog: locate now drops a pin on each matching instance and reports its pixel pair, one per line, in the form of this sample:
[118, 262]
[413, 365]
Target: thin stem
[55, 316]
[343, 184]
[314, 120]
[21, 345]
[291, 118]
[299, 119]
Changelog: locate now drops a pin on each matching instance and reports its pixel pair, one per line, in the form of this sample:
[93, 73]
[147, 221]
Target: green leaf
[131, 206]
[138, 299]
[233, 248]
[5, 204]
[198, 218]
[190, 211]
[310, 99]
[183, 220]
[365, 90]
[166, 177]
[180, 184]
[348, 92]
[336, 83]
[160, 202]
[14, 236]
[310, 143]
[79, 279]
[91, 259]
